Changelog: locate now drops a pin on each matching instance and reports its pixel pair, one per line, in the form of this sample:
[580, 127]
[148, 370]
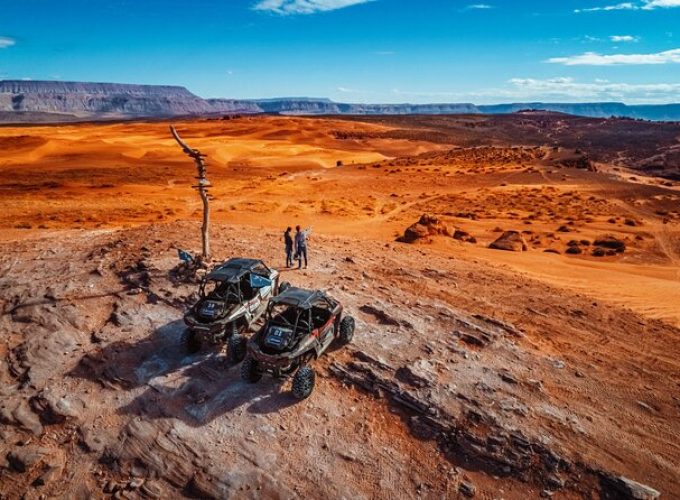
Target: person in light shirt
[301, 245]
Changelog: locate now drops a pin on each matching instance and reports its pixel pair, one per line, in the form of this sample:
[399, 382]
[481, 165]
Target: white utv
[233, 295]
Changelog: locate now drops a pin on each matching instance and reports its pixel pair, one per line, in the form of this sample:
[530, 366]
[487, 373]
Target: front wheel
[236, 348]
[346, 329]
[303, 382]
[192, 342]
[250, 371]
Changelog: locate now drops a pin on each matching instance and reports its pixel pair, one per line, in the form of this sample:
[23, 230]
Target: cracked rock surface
[445, 391]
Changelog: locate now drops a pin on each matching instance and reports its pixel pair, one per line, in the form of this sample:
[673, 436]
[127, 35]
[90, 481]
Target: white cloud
[347, 90]
[623, 38]
[479, 6]
[618, 6]
[660, 4]
[6, 42]
[288, 7]
[595, 59]
[599, 90]
[559, 89]
[644, 5]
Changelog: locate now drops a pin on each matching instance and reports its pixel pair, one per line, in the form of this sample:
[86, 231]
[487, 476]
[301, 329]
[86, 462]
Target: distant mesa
[99, 99]
[28, 101]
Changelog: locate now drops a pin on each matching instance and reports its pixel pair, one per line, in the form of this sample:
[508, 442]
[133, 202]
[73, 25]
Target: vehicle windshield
[221, 290]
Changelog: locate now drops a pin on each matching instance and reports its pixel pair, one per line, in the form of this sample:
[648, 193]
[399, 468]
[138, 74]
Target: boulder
[427, 225]
[54, 409]
[512, 241]
[628, 489]
[599, 252]
[464, 236]
[467, 489]
[414, 233]
[22, 459]
[382, 317]
[421, 373]
[611, 243]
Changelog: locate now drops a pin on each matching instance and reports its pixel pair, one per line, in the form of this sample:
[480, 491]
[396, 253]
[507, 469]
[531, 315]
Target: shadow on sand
[195, 388]
[200, 397]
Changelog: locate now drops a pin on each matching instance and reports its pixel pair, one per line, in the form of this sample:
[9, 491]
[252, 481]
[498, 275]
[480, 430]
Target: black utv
[233, 295]
[300, 325]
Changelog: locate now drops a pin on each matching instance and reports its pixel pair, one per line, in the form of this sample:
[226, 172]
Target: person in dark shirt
[288, 239]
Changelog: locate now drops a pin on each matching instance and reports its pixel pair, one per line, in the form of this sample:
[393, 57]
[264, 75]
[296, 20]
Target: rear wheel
[346, 329]
[236, 348]
[303, 382]
[192, 342]
[283, 286]
[251, 371]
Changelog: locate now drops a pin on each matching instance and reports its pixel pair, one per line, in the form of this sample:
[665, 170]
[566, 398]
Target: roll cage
[230, 282]
[301, 313]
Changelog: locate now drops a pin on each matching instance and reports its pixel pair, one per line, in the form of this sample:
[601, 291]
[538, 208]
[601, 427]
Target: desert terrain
[549, 371]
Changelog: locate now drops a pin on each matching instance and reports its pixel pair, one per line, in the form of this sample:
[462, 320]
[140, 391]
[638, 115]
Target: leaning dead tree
[202, 187]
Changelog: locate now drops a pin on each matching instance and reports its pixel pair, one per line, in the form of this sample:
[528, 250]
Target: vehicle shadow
[195, 388]
[206, 391]
[132, 364]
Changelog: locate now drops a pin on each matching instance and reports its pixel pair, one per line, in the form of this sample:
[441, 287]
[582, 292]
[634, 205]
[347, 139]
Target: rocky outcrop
[471, 434]
[511, 241]
[427, 226]
[464, 236]
[622, 487]
[610, 243]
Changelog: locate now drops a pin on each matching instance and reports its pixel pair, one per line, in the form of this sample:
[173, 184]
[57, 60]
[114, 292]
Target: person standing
[288, 240]
[301, 245]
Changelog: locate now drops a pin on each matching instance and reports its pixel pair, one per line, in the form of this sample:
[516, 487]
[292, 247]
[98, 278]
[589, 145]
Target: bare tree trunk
[202, 187]
[206, 224]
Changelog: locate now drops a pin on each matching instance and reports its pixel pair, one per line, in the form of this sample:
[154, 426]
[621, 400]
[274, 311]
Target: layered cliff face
[413, 109]
[94, 99]
[233, 106]
[301, 106]
[61, 101]
[304, 106]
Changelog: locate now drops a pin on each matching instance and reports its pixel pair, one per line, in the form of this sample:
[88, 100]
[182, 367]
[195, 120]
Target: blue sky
[355, 50]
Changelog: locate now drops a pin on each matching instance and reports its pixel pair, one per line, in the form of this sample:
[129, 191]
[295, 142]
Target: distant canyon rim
[56, 101]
